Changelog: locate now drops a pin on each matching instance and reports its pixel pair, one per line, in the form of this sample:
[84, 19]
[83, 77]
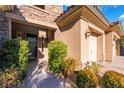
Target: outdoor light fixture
[87, 34]
[115, 39]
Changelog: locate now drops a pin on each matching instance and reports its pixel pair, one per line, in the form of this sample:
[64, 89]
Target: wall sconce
[87, 34]
[115, 39]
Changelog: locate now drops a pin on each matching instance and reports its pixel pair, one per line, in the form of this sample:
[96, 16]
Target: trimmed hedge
[86, 79]
[112, 79]
[57, 51]
[15, 56]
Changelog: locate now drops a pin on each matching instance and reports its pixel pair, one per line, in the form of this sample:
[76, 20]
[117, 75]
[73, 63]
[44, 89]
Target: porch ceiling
[26, 28]
[21, 19]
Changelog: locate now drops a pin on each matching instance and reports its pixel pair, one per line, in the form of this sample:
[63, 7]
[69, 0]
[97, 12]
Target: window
[40, 6]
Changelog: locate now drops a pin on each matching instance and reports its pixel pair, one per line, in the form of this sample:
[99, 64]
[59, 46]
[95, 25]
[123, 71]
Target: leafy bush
[93, 66]
[86, 79]
[11, 53]
[23, 58]
[9, 77]
[112, 79]
[68, 65]
[15, 55]
[57, 50]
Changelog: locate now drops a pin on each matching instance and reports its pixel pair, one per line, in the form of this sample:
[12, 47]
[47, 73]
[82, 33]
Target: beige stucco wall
[70, 35]
[84, 42]
[108, 39]
[78, 45]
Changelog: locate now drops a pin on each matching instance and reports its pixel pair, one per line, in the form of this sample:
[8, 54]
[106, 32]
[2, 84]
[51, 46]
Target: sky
[111, 12]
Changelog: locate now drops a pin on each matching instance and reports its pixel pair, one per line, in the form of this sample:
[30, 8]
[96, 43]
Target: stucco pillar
[109, 46]
[104, 53]
[42, 48]
[101, 48]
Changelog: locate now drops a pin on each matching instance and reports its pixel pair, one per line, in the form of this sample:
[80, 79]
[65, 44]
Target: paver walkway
[38, 77]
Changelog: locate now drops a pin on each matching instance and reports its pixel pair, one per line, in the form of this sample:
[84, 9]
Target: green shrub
[23, 58]
[15, 55]
[86, 79]
[93, 66]
[112, 79]
[57, 50]
[11, 53]
[68, 65]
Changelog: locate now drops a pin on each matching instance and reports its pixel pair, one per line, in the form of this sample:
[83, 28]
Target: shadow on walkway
[38, 76]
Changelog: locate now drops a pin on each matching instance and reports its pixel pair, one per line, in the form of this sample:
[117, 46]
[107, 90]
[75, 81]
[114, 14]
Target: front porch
[38, 38]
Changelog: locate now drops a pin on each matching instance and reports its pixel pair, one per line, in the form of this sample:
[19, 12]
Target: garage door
[92, 48]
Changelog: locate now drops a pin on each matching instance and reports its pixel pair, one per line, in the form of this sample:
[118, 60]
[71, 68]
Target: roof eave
[96, 12]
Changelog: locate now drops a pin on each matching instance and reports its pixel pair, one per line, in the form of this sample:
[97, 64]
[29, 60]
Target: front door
[92, 48]
[32, 43]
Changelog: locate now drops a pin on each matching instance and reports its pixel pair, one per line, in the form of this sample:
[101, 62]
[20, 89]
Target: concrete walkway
[39, 77]
[117, 65]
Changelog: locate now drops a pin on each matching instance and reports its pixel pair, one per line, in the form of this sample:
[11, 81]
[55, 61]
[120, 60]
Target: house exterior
[85, 30]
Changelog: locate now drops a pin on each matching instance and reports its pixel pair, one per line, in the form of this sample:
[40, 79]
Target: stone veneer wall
[4, 28]
[4, 31]
[54, 11]
[49, 14]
